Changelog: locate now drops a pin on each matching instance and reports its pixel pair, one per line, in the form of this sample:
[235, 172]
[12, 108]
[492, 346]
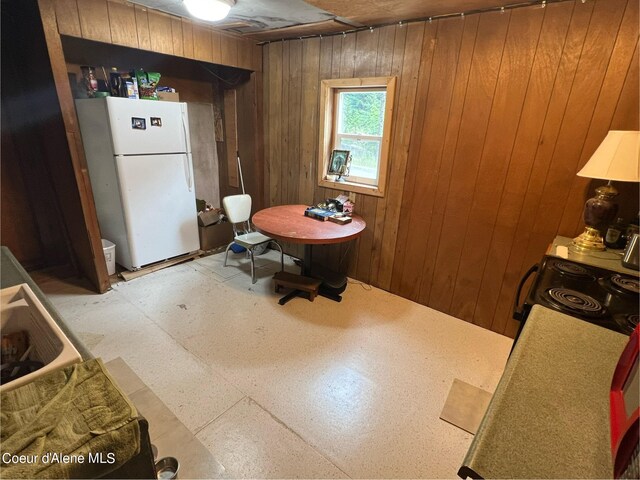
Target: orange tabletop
[288, 223]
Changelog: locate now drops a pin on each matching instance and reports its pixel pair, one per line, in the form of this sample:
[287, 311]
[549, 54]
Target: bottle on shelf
[616, 236]
[90, 80]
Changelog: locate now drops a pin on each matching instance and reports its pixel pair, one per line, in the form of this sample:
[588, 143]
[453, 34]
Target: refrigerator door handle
[188, 174]
[187, 157]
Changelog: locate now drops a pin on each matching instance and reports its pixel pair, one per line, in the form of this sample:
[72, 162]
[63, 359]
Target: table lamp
[616, 159]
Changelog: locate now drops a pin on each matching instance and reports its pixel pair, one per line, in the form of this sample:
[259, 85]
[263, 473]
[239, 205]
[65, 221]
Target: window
[356, 117]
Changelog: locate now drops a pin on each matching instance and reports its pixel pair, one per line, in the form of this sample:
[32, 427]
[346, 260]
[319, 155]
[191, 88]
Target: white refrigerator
[139, 158]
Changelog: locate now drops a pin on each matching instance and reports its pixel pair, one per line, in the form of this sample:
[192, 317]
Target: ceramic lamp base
[590, 240]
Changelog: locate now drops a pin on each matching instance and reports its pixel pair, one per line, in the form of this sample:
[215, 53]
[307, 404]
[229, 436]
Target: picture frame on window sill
[339, 163]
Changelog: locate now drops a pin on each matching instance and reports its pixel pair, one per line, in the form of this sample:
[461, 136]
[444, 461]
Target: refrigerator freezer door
[142, 127]
[159, 206]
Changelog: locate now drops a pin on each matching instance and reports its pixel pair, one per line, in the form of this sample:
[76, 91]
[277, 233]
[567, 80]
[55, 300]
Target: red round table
[288, 224]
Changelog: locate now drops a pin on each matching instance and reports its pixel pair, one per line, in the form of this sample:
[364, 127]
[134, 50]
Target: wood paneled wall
[122, 23]
[495, 114]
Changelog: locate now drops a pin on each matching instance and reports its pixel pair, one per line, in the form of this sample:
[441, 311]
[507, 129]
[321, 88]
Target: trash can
[109, 249]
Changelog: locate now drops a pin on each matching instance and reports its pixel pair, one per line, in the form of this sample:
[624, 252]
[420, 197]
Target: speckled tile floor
[306, 390]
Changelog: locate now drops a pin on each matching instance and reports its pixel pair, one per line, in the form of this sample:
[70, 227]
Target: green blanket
[77, 411]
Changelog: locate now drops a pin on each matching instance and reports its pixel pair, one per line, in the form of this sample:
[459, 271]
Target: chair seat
[251, 239]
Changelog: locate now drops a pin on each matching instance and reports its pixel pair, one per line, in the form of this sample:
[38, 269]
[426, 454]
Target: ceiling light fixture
[209, 10]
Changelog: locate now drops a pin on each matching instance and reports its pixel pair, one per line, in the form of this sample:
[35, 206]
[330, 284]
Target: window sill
[352, 187]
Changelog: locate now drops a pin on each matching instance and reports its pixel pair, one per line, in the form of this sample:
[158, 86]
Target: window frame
[329, 91]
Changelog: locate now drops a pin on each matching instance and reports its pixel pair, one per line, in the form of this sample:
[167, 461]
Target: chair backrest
[237, 208]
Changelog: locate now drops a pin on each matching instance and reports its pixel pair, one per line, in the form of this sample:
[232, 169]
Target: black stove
[595, 295]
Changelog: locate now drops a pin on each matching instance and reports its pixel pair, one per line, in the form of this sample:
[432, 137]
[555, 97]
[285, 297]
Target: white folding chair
[238, 210]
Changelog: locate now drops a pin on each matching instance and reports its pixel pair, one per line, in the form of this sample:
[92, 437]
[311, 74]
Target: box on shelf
[216, 235]
[169, 96]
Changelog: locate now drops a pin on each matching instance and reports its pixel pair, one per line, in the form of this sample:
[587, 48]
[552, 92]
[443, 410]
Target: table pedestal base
[323, 292]
[332, 286]
[300, 284]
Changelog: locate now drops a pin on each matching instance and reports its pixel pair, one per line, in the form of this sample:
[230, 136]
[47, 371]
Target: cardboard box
[208, 218]
[169, 96]
[214, 236]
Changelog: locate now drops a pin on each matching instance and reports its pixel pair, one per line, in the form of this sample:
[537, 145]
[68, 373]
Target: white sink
[21, 310]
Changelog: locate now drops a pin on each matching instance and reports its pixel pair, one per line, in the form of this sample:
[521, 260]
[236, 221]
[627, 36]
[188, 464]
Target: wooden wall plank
[274, 120]
[515, 72]
[231, 136]
[414, 160]
[177, 37]
[94, 20]
[425, 158]
[122, 22]
[366, 53]
[245, 54]
[228, 50]
[626, 116]
[348, 56]
[160, 32]
[257, 59]
[257, 84]
[67, 18]
[285, 151]
[29, 188]
[18, 220]
[295, 112]
[216, 47]
[187, 38]
[309, 116]
[475, 119]
[202, 43]
[336, 55]
[247, 119]
[142, 28]
[461, 81]
[266, 114]
[400, 142]
[536, 102]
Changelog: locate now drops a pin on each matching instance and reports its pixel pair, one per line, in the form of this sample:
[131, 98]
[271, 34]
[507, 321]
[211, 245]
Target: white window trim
[328, 90]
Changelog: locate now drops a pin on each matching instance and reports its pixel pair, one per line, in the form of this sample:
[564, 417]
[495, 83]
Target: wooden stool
[297, 282]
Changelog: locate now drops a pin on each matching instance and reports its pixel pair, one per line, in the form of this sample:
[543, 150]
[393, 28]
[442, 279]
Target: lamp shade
[617, 158]
[210, 10]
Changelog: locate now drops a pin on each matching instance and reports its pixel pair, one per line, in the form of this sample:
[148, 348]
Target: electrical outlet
[352, 197]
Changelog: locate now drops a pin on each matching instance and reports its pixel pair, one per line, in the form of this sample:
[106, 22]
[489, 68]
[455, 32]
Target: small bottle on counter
[616, 236]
